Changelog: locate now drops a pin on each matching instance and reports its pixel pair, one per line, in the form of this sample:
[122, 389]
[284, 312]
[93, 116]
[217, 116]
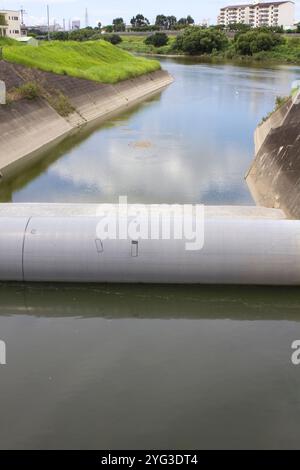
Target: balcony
[3, 26]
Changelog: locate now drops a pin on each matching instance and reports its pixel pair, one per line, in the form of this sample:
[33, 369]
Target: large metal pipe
[67, 249]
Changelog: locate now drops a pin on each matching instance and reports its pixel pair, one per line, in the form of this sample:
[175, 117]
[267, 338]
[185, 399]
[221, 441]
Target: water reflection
[184, 367]
[110, 367]
[191, 143]
[150, 302]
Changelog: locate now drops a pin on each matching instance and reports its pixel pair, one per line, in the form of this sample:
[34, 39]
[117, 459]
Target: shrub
[61, 104]
[280, 101]
[157, 40]
[113, 38]
[29, 90]
[81, 34]
[201, 41]
[256, 41]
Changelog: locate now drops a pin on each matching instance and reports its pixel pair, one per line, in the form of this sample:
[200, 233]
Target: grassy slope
[93, 60]
[9, 42]
[136, 44]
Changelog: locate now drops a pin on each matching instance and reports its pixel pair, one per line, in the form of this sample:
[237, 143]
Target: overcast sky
[105, 11]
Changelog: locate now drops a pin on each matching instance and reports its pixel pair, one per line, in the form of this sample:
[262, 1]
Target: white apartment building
[259, 14]
[12, 24]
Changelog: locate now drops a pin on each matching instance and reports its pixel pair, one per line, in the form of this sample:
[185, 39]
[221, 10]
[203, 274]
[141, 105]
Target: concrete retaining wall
[28, 127]
[274, 177]
[275, 120]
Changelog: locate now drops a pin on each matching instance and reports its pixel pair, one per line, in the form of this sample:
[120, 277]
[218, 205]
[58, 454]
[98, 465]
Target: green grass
[92, 60]
[136, 44]
[9, 42]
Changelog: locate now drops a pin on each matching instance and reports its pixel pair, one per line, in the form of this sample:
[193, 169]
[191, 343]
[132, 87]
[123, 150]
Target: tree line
[141, 23]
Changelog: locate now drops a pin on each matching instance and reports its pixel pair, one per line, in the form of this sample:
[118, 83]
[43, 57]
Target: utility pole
[23, 12]
[86, 18]
[48, 22]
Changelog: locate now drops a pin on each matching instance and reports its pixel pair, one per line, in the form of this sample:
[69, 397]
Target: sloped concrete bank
[30, 127]
[274, 176]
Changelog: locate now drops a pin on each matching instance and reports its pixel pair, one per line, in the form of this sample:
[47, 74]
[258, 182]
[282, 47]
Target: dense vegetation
[157, 40]
[256, 44]
[112, 38]
[137, 44]
[84, 34]
[99, 60]
[251, 42]
[198, 41]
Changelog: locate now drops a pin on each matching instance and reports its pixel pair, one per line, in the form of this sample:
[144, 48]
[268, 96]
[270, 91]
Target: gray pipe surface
[67, 249]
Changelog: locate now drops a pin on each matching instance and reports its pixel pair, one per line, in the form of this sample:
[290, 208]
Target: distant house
[28, 40]
[10, 24]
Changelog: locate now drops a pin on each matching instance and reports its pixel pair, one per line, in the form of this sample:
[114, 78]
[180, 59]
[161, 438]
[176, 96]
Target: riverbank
[28, 127]
[273, 177]
[91, 60]
[286, 53]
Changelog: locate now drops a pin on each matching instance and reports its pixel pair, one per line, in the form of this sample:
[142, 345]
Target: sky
[105, 11]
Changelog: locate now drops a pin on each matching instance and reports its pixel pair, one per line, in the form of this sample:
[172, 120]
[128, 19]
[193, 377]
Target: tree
[182, 22]
[161, 21]
[81, 34]
[171, 22]
[157, 40]
[99, 25]
[239, 27]
[256, 41]
[112, 38]
[139, 21]
[109, 28]
[119, 25]
[166, 22]
[60, 36]
[197, 40]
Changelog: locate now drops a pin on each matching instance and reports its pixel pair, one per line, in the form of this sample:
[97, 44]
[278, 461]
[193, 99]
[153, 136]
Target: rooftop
[262, 4]
[25, 38]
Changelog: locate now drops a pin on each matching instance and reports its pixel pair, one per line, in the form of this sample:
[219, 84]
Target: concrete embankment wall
[27, 127]
[274, 177]
[275, 120]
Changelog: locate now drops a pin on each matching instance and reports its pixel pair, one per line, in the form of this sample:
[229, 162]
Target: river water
[154, 366]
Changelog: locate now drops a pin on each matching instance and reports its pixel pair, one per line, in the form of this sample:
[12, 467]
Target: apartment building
[259, 14]
[10, 24]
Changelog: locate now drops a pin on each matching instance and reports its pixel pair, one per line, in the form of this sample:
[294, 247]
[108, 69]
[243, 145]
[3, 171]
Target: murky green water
[154, 366]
